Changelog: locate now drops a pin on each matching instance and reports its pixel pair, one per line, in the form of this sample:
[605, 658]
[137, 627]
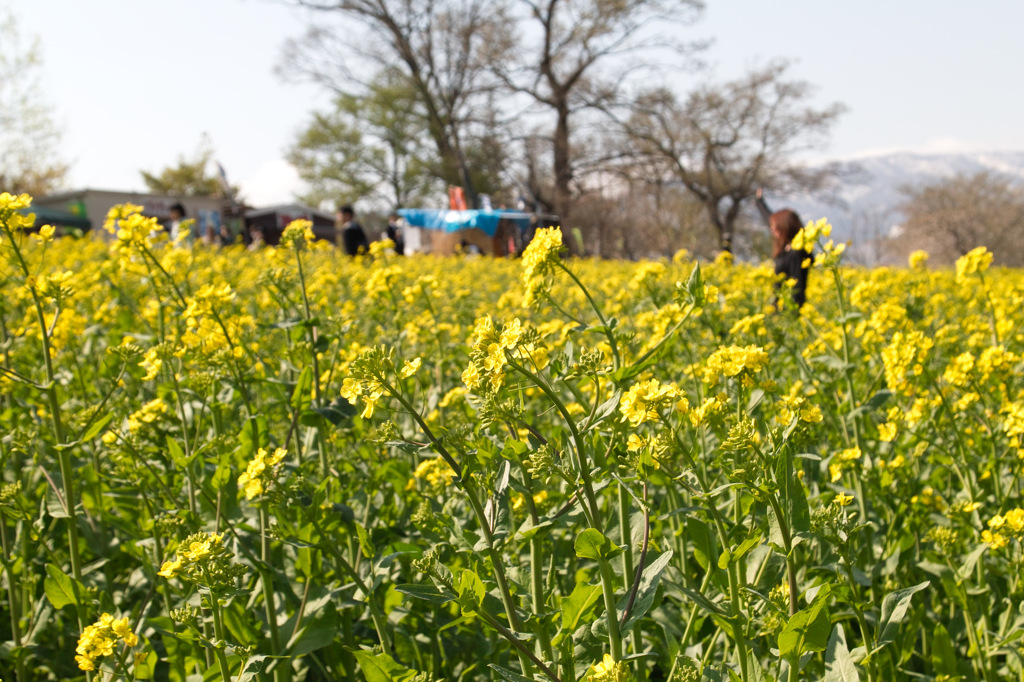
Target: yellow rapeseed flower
[261, 472]
[975, 260]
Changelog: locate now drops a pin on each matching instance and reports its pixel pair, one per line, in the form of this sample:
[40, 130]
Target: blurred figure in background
[394, 233]
[352, 234]
[177, 218]
[792, 263]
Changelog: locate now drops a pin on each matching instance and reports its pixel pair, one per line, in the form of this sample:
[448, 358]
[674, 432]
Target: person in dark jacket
[352, 234]
[395, 234]
[790, 262]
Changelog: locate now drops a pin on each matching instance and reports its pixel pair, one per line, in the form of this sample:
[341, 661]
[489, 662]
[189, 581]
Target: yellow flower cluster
[643, 400]
[958, 372]
[133, 230]
[261, 472]
[435, 472]
[151, 363]
[202, 558]
[905, 354]
[538, 262]
[842, 500]
[150, 412]
[297, 234]
[732, 361]
[369, 392]
[1011, 523]
[918, 260]
[843, 461]
[13, 202]
[795, 404]
[98, 640]
[608, 670]
[207, 300]
[806, 238]
[646, 273]
[488, 360]
[974, 261]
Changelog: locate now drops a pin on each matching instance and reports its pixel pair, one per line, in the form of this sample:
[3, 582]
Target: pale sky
[136, 83]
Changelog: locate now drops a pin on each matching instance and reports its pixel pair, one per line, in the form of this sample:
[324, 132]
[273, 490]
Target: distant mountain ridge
[867, 196]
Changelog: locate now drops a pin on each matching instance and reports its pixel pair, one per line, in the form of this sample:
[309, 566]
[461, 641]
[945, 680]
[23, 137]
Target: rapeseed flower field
[292, 465]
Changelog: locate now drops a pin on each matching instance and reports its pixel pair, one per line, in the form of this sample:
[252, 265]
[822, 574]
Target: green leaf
[301, 395]
[601, 413]
[471, 592]
[592, 544]
[646, 591]
[508, 674]
[894, 609]
[793, 502]
[425, 592]
[695, 285]
[808, 629]
[96, 427]
[177, 454]
[365, 543]
[576, 604]
[337, 412]
[968, 562]
[254, 435]
[943, 652]
[703, 542]
[145, 665]
[382, 668]
[252, 667]
[735, 555]
[61, 589]
[839, 665]
[316, 631]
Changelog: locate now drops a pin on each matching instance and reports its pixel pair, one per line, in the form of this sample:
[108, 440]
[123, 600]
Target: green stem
[379, 619]
[266, 578]
[13, 604]
[218, 629]
[63, 456]
[593, 517]
[604, 322]
[313, 336]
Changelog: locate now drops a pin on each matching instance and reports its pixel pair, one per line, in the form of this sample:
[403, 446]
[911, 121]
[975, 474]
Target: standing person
[256, 241]
[352, 232]
[177, 212]
[394, 233]
[784, 225]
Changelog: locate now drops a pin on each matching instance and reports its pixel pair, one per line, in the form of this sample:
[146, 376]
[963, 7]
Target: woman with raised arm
[790, 262]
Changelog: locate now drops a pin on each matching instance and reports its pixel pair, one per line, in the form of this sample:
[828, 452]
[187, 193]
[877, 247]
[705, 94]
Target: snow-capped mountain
[864, 203]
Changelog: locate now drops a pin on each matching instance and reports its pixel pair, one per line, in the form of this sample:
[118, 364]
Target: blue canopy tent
[454, 221]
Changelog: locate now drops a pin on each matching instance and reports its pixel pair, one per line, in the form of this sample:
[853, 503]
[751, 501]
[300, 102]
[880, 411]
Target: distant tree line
[949, 217]
[562, 104]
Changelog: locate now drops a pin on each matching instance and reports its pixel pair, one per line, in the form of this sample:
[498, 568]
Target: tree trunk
[562, 167]
[724, 231]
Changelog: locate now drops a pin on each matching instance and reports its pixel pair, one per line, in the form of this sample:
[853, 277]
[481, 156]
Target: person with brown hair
[792, 263]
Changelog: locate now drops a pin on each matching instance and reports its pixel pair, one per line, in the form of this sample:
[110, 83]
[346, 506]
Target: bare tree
[29, 139]
[727, 140]
[574, 55]
[440, 47]
[950, 217]
[369, 148]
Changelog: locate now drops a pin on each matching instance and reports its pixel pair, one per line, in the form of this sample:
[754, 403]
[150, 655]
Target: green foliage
[371, 147]
[294, 466]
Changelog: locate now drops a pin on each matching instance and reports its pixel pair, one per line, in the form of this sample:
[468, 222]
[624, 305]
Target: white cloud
[274, 182]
